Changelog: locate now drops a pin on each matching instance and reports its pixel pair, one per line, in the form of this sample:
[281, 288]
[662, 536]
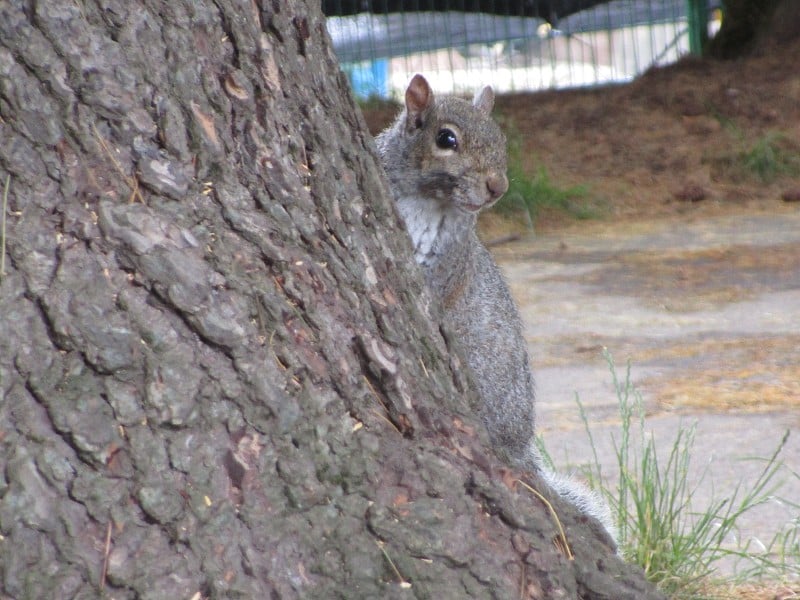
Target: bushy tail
[586, 500]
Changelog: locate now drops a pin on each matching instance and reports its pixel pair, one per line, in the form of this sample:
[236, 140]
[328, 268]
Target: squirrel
[446, 161]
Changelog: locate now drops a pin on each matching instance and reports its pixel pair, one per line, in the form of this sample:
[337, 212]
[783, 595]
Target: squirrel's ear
[484, 99]
[419, 98]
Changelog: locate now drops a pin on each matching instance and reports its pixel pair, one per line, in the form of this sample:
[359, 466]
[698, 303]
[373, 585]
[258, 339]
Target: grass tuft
[679, 545]
[770, 157]
[538, 192]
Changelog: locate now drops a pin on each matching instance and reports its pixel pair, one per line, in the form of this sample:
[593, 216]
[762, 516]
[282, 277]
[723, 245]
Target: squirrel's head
[454, 148]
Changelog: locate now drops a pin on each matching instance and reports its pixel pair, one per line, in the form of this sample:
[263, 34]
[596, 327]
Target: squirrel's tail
[586, 500]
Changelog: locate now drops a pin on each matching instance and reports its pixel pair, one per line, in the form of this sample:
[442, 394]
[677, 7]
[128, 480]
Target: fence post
[697, 11]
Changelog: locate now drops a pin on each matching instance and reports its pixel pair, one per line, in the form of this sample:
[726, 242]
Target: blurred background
[524, 45]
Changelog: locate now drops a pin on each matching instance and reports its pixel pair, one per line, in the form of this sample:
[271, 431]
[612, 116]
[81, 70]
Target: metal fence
[608, 42]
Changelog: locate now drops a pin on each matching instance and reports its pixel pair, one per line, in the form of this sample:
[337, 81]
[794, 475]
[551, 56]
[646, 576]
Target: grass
[678, 544]
[538, 192]
[770, 157]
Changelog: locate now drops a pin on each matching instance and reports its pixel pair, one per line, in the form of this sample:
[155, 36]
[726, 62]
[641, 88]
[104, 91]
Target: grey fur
[439, 192]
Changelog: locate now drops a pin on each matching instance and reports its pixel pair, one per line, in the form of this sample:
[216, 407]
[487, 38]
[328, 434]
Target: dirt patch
[754, 374]
[694, 280]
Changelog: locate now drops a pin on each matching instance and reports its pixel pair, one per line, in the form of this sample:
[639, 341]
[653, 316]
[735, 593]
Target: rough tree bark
[219, 373]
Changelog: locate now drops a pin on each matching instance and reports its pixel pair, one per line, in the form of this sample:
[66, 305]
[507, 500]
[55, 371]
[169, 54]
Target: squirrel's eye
[446, 139]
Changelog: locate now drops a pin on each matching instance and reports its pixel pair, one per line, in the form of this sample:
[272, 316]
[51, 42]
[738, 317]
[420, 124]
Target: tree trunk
[219, 371]
[754, 24]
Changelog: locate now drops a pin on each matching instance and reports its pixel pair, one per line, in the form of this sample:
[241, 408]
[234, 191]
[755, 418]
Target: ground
[689, 268]
[700, 137]
[706, 312]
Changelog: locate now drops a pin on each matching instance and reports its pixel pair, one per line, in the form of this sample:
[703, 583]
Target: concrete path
[707, 313]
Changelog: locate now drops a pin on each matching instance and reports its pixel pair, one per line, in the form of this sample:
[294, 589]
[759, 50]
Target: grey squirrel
[446, 160]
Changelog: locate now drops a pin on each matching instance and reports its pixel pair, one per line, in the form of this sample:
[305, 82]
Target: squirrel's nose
[497, 184]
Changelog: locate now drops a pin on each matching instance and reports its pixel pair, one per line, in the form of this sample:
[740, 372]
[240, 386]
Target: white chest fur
[424, 219]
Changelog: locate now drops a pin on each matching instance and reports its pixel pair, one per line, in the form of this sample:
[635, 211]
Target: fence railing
[606, 43]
